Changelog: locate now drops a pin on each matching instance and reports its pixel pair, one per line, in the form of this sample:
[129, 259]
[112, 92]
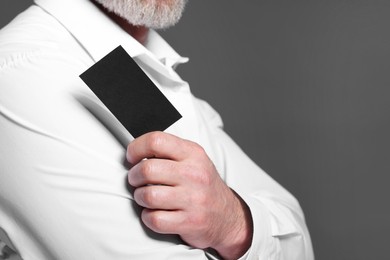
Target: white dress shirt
[63, 189]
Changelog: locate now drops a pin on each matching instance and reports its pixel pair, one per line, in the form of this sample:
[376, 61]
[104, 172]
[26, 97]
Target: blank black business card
[129, 94]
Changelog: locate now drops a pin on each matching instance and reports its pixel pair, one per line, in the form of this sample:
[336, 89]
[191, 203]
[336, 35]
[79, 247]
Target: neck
[140, 33]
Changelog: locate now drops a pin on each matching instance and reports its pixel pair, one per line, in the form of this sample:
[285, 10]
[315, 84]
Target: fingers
[155, 171]
[159, 145]
[157, 184]
[163, 222]
[161, 197]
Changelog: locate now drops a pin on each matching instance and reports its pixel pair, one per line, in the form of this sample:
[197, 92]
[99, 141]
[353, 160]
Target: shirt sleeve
[280, 231]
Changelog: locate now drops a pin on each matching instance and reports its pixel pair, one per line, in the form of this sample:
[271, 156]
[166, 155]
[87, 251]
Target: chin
[155, 14]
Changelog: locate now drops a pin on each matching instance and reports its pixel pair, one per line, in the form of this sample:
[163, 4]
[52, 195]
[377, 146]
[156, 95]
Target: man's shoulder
[38, 57]
[31, 34]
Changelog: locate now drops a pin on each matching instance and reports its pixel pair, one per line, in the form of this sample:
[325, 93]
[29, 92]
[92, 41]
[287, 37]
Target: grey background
[304, 88]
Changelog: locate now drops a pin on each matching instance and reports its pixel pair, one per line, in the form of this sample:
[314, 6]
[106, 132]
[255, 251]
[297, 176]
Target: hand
[183, 194]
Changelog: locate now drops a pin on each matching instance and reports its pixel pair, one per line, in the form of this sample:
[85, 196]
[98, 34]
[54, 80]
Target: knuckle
[143, 198]
[153, 220]
[196, 148]
[149, 197]
[147, 169]
[155, 140]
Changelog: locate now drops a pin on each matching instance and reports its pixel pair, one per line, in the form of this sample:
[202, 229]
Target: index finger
[158, 145]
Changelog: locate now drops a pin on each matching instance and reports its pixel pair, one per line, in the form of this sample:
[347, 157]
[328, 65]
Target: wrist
[238, 239]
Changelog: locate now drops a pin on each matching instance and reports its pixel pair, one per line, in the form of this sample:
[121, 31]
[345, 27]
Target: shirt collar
[99, 35]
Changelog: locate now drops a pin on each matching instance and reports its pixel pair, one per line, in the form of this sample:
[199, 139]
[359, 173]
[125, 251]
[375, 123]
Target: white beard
[154, 14]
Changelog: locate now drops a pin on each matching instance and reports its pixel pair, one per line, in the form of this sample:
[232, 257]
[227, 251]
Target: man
[64, 179]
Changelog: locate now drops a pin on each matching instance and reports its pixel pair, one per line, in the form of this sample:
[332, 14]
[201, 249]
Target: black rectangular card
[129, 94]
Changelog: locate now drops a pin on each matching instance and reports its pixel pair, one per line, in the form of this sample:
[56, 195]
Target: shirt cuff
[262, 239]
[270, 222]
